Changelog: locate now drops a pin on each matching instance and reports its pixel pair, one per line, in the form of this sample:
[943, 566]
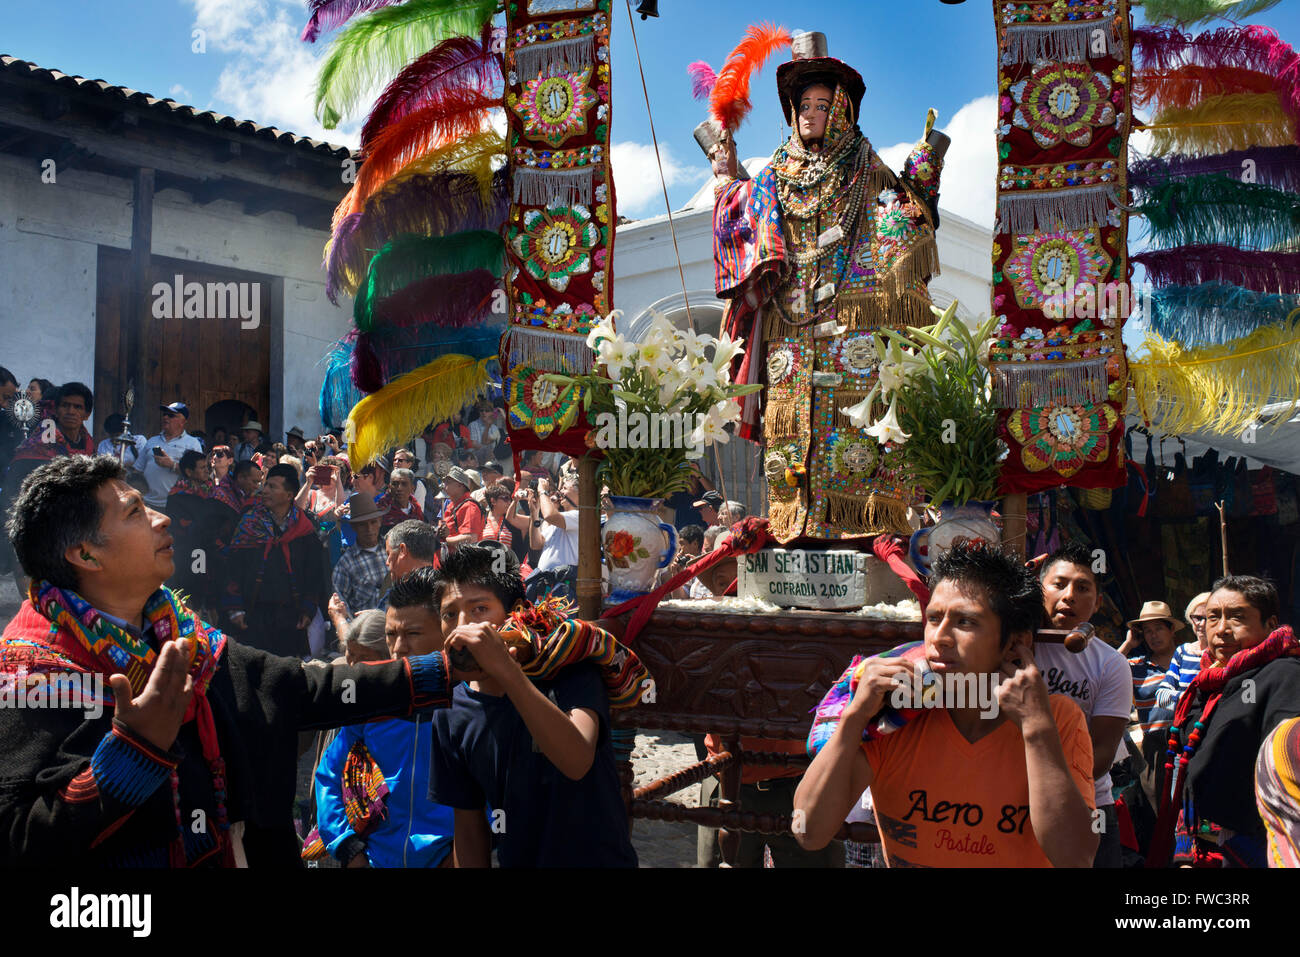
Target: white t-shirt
[1097, 679]
[559, 545]
[160, 479]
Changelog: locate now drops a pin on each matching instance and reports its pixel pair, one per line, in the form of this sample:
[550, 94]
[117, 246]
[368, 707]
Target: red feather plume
[448, 115]
[729, 103]
[458, 63]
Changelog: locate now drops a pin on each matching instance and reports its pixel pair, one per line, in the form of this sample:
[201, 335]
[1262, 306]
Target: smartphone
[158, 452]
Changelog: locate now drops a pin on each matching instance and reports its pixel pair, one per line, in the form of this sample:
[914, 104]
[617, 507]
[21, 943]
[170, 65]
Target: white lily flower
[887, 429]
[709, 430]
[860, 414]
[670, 385]
[654, 354]
[726, 350]
[617, 355]
[661, 330]
[603, 330]
[892, 376]
[728, 410]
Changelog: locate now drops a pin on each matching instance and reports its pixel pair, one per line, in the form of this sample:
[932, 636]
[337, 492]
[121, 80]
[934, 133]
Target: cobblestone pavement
[664, 843]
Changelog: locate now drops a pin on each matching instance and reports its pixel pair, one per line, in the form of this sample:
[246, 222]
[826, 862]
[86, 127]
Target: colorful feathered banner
[373, 49]
[418, 237]
[1062, 139]
[1220, 124]
[1189, 12]
[1215, 209]
[406, 405]
[431, 204]
[1278, 167]
[1267, 272]
[560, 230]
[1218, 388]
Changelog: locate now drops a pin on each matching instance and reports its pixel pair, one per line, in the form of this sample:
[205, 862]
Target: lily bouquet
[940, 413]
[657, 404]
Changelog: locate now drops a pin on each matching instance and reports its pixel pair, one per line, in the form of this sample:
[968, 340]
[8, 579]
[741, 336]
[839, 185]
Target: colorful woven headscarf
[82, 639]
[831, 710]
[560, 641]
[1277, 792]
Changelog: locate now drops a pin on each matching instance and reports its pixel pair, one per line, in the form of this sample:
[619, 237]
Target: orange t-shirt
[941, 801]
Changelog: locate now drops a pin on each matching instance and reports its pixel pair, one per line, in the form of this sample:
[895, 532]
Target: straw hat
[1157, 611]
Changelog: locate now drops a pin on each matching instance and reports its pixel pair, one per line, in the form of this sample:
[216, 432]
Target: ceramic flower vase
[633, 540]
[973, 520]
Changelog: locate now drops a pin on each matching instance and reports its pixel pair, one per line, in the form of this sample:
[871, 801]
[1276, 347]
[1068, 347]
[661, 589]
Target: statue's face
[814, 112]
[723, 159]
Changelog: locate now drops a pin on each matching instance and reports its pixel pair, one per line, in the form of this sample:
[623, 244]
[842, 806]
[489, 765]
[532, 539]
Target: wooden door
[198, 360]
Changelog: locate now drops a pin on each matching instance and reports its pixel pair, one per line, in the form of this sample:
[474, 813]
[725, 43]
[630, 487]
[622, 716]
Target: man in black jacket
[173, 745]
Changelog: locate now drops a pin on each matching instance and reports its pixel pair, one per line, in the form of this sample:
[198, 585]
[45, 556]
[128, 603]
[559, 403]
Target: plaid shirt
[359, 575]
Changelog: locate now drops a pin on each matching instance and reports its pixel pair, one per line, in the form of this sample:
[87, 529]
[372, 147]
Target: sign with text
[796, 578]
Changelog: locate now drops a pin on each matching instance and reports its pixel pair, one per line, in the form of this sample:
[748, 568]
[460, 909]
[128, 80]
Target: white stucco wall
[48, 239]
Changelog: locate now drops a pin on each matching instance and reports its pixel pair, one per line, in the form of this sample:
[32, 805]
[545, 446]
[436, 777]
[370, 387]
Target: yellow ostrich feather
[1218, 388]
[399, 411]
[1221, 124]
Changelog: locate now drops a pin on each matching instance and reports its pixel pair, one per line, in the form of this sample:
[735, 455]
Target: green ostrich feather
[410, 258]
[1215, 209]
[1184, 12]
[373, 49]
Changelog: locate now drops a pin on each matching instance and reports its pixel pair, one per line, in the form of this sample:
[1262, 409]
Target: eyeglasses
[1198, 619]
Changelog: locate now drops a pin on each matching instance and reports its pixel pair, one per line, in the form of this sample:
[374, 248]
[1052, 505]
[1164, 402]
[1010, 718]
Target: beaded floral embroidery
[1063, 438]
[1061, 102]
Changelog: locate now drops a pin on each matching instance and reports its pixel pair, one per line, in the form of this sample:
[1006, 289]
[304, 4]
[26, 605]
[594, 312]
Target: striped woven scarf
[560, 641]
[827, 715]
[364, 795]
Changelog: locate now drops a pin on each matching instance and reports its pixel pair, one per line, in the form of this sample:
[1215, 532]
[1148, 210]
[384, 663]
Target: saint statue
[820, 249]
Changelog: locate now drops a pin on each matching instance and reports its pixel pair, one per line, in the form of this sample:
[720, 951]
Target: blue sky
[913, 54]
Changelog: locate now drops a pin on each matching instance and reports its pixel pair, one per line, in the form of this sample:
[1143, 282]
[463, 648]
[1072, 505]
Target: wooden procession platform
[733, 674]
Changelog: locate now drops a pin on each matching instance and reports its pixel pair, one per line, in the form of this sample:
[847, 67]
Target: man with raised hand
[197, 729]
[954, 786]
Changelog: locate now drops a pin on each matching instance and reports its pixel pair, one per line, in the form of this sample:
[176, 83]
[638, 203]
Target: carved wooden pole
[729, 797]
[589, 597]
[1014, 508]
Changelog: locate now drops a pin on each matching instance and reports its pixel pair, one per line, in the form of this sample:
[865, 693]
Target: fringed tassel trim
[544, 349]
[1071, 42]
[873, 514]
[785, 520]
[1051, 209]
[552, 56]
[877, 310]
[1035, 385]
[782, 418]
[544, 187]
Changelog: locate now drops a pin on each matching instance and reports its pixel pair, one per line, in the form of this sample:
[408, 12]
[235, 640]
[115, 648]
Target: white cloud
[968, 187]
[269, 75]
[180, 94]
[636, 177]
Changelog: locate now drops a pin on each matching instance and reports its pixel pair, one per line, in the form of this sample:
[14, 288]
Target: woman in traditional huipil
[825, 245]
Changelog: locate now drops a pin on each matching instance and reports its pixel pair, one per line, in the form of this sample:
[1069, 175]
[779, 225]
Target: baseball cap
[180, 408]
[713, 499]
